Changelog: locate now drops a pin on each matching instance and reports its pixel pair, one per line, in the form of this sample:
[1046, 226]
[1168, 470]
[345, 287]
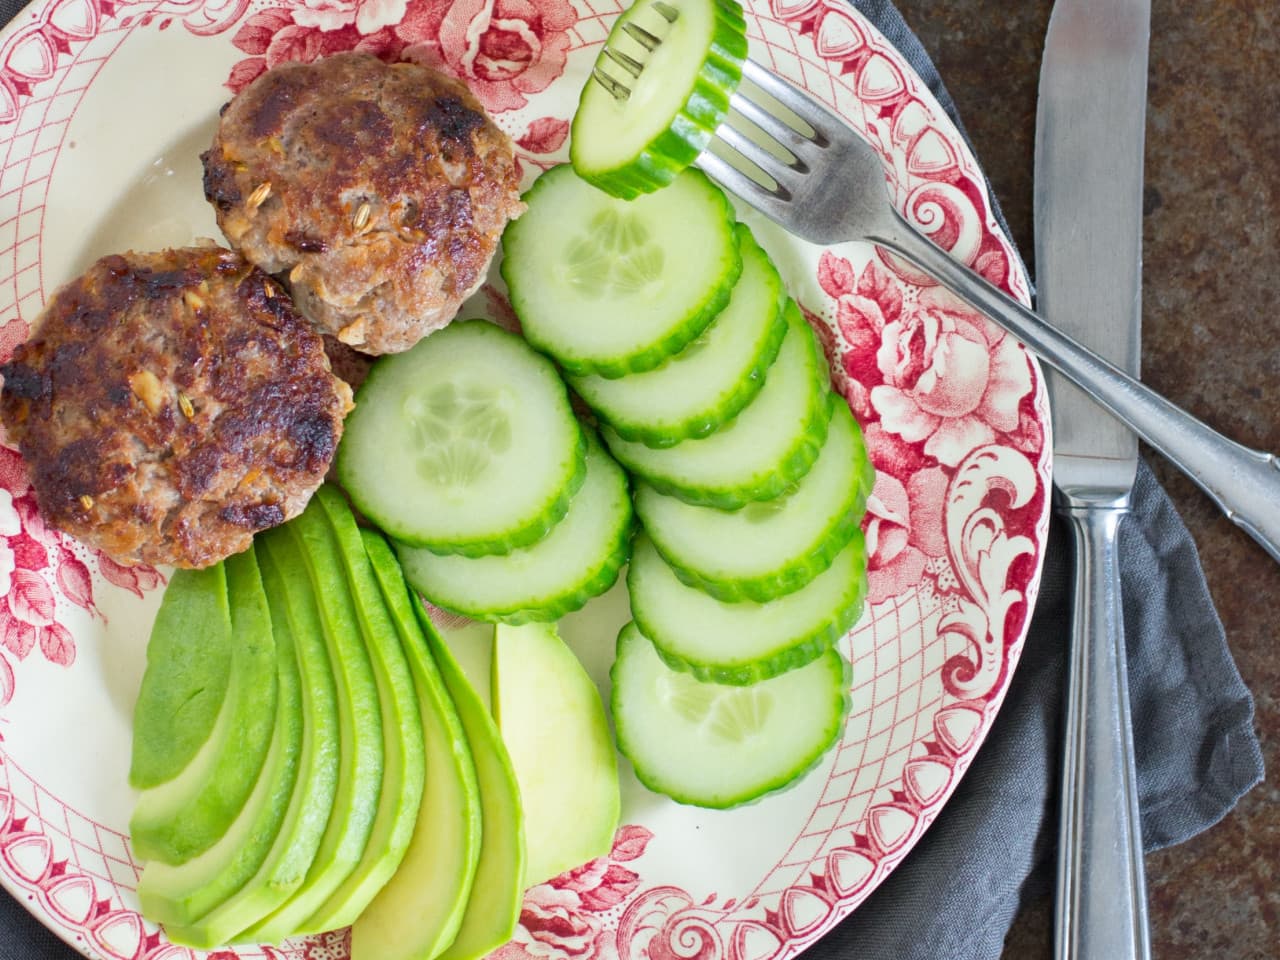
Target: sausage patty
[378, 192]
[169, 405]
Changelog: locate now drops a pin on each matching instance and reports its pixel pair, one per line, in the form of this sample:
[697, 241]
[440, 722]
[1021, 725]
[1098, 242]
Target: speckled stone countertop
[1211, 342]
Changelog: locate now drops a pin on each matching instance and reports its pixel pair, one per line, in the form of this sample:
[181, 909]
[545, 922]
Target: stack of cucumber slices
[750, 476]
[501, 506]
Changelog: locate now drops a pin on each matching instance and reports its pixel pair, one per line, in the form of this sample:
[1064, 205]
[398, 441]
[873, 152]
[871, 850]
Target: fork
[818, 179]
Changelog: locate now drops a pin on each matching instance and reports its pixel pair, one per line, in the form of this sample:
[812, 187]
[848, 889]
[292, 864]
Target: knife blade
[1088, 242]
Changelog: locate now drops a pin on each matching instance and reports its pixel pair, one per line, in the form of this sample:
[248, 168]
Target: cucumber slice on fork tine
[659, 89]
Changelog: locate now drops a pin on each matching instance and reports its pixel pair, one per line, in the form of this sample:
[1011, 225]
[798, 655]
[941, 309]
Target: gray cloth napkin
[955, 895]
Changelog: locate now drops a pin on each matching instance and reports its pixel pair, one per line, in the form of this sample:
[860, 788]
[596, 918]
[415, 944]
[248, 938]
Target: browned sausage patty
[169, 405]
[377, 191]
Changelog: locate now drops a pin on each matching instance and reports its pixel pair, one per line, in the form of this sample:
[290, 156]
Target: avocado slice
[564, 758]
[419, 911]
[496, 895]
[184, 816]
[360, 769]
[470, 647]
[178, 894]
[296, 623]
[185, 683]
[402, 728]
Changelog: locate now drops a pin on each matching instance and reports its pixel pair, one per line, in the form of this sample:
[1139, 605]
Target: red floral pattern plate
[104, 108]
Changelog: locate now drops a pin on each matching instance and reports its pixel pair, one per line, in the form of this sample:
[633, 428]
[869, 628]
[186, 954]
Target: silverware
[822, 182]
[1088, 236]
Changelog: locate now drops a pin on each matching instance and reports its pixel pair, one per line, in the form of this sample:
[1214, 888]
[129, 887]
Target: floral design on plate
[955, 415]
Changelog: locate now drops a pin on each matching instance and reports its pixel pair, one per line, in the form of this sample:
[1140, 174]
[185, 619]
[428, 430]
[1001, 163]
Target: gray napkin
[957, 892]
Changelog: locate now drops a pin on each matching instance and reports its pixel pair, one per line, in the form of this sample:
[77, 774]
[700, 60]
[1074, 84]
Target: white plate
[104, 108]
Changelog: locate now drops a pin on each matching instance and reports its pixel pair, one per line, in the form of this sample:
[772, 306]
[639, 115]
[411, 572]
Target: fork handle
[1244, 483]
[1101, 893]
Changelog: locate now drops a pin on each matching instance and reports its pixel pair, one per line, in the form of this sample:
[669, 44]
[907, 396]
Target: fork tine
[773, 203]
[787, 95]
[749, 150]
[619, 90]
[627, 63]
[796, 142]
[641, 36]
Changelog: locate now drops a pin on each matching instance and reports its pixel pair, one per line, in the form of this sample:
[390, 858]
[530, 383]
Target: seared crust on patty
[170, 405]
[377, 191]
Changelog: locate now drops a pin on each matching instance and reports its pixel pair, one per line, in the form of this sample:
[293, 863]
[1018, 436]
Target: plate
[105, 106]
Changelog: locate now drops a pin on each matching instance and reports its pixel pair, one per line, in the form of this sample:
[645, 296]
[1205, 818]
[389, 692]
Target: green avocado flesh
[420, 911]
[182, 817]
[564, 759]
[291, 849]
[402, 727]
[183, 896]
[498, 889]
[185, 684]
[361, 763]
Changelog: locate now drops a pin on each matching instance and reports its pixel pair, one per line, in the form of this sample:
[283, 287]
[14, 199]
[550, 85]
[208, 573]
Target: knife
[1088, 245]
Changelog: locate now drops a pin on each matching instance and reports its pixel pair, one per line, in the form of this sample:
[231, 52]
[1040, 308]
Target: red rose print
[553, 925]
[560, 918]
[74, 580]
[18, 637]
[950, 379]
[13, 471]
[135, 579]
[505, 50]
[279, 34]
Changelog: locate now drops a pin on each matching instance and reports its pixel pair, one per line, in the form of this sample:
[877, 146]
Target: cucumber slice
[714, 377]
[721, 746]
[761, 451]
[772, 547]
[636, 143]
[579, 559]
[610, 286]
[741, 643]
[489, 453]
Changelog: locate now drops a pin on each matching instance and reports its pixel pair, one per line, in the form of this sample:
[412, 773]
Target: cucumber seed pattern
[614, 256]
[730, 714]
[458, 431]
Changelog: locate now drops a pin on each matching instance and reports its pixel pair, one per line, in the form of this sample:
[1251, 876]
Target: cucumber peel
[689, 66]
[768, 548]
[612, 287]
[722, 746]
[744, 642]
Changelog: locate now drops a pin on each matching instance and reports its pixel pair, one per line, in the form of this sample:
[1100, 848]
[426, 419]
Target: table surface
[1211, 343]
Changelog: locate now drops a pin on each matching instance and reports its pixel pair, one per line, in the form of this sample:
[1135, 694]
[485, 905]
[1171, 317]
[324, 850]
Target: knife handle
[1101, 892]
[1244, 483]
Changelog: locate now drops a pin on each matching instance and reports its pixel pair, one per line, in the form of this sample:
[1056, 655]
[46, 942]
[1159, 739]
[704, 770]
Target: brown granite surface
[1211, 343]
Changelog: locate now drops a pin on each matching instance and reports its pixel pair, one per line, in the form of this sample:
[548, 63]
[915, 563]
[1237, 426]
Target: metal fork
[826, 185]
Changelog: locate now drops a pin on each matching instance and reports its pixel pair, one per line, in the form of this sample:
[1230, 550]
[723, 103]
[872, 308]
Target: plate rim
[808, 13]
